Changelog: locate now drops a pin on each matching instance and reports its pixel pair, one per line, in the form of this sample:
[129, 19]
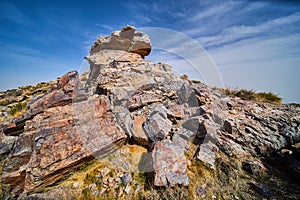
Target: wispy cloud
[237, 33]
[29, 55]
[263, 65]
[214, 10]
[11, 12]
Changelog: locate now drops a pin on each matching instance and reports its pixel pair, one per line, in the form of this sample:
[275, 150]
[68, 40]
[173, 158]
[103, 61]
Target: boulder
[63, 94]
[157, 126]
[138, 133]
[169, 164]
[207, 154]
[67, 137]
[126, 40]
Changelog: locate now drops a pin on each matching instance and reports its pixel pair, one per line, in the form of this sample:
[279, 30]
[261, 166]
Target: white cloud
[265, 65]
[235, 33]
[213, 10]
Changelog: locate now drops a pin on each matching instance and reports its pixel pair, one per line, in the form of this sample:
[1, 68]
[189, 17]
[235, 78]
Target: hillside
[134, 130]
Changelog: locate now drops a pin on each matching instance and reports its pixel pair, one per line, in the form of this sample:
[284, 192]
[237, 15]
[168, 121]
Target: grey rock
[157, 126]
[6, 143]
[126, 177]
[123, 118]
[169, 164]
[187, 95]
[252, 167]
[207, 154]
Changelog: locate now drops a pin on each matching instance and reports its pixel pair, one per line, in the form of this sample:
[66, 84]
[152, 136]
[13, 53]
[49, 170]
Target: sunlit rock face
[126, 40]
[187, 134]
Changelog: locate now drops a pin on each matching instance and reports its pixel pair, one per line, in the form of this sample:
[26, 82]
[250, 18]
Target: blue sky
[255, 44]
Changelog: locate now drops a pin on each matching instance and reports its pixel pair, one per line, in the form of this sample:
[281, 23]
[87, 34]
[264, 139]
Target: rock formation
[141, 120]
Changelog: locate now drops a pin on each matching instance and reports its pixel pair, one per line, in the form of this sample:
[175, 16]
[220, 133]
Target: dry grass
[251, 95]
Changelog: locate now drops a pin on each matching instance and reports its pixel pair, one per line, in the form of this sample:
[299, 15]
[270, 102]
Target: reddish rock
[176, 111]
[13, 172]
[140, 100]
[62, 95]
[68, 136]
[138, 133]
[60, 140]
[169, 164]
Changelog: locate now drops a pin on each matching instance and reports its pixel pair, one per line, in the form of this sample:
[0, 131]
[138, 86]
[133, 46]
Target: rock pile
[127, 99]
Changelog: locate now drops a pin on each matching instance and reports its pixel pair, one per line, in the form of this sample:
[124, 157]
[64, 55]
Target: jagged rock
[187, 95]
[6, 143]
[138, 133]
[140, 100]
[127, 96]
[16, 127]
[231, 148]
[13, 170]
[202, 128]
[124, 119]
[176, 111]
[61, 138]
[127, 40]
[252, 167]
[169, 164]
[78, 137]
[157, 126]
[62, 95]
[207, 154]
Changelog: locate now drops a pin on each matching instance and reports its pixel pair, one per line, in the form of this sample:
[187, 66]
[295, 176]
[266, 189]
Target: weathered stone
[13, 171]
[231, 148]
[126, 178]
[65, 137]
[252, 167]
[140, 100]
[62, 95]
[169, 164]
[201, 128]
[88, 132]
[124, 119]
[138, 133]
[16, 127]
[207, 154]
[6, 143]
[187, 95]
[56, 137]
[176, 111]
[126, 40]
[157, 126]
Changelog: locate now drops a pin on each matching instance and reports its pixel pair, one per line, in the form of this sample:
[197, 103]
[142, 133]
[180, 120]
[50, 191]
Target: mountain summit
[131, 129]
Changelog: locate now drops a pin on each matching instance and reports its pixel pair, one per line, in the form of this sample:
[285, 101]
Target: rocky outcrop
[176, 132]
[61, 138]
[126, 40]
